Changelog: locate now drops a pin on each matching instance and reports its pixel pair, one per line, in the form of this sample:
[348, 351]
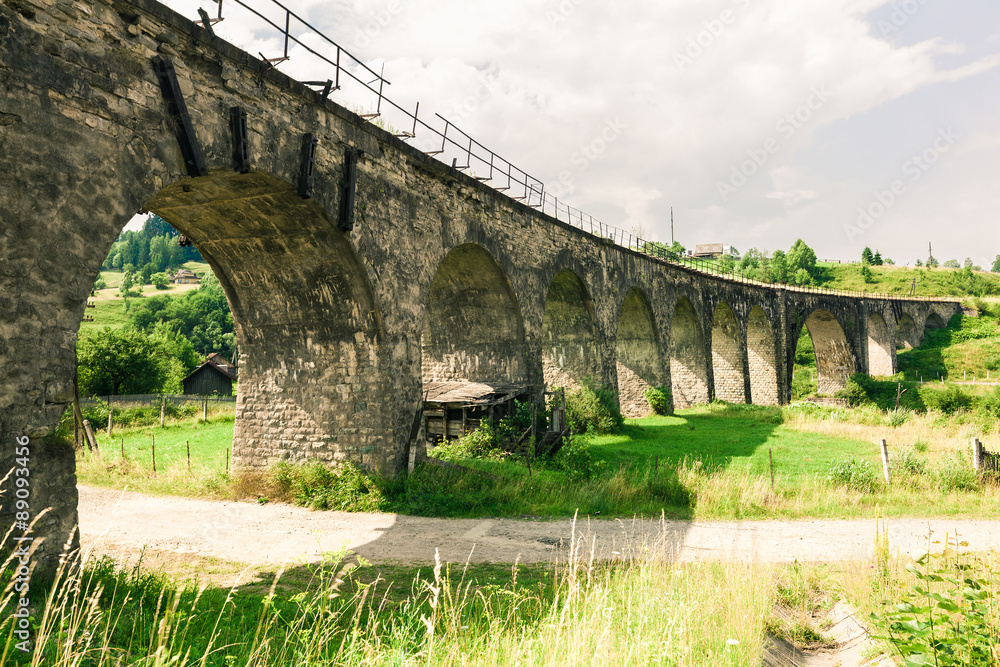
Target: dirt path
[271, 534]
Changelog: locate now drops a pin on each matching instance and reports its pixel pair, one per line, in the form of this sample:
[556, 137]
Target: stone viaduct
[441, 277]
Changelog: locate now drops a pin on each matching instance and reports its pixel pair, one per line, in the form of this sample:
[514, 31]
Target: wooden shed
[209, 379]
[452, 409]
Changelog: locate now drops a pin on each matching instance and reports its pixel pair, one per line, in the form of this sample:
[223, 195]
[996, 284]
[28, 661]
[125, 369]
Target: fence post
[110, 411]
[977, 455]
[91, 440]
[770, 455]
[153, 437]
[204, 410]
[163, 410]
[188, 443]
[885, 460]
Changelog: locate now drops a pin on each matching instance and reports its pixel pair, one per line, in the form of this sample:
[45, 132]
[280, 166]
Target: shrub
[858, 475]
[897, 418]
[659, 399]
[954, 473]
[159, 280]
[949, 401]
[907, 463]
[318, 487]
[593, 408]
[576, 459]
[949, 616]
[483, 443]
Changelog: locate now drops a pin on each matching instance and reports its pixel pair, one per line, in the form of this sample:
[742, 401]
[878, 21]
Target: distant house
[708, 250]
[185, 277]
[211, 378]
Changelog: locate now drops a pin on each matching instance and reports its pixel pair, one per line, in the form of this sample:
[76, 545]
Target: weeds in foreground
[643, 611]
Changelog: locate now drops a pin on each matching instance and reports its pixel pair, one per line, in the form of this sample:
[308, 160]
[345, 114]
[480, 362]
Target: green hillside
[900, 279]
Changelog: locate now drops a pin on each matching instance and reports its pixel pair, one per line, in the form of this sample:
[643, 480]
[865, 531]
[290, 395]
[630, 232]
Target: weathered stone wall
[727, 356]
[570, 348]
[688, 367]
[442, 277]
[640, 364]
[761, 357]
[881, 350]
[906, 332]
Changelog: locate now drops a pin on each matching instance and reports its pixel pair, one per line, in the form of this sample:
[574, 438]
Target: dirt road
[259, 534]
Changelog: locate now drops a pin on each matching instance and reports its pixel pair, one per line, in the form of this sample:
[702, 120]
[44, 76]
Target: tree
[866, 255]
[726, 264]
[867, 274]
[952, 264]
[877, 259]
[117, 361]
[802, 277]
[932, 261]
[159, 280]
[801, 256]
[919, 262]
[996, 265]
[778, 267]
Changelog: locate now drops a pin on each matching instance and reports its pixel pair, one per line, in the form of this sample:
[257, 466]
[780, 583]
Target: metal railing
[498, 172]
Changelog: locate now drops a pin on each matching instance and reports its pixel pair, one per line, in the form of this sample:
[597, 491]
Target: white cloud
[558, 70]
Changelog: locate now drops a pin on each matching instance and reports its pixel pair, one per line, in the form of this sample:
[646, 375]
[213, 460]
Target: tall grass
[643, 610]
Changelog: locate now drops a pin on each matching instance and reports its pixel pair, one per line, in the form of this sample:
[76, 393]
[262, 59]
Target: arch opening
[305, 317]
[472, 329]
[906, 332]
[569, 341]
[934, 321]
[639, 361]
[688, 365]
[727, 356]
[834, 359]
[881, 351]
[761, 359]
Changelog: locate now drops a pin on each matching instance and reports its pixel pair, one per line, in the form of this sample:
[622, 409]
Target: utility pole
[930, 254]
[671, 225]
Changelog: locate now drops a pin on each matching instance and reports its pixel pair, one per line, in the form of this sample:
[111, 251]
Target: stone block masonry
[442, 277]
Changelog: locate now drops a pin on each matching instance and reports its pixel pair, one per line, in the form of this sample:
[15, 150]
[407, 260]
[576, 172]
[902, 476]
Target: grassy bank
[712, 462]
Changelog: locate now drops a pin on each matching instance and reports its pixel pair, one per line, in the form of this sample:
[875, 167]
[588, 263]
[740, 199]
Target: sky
[847, 123]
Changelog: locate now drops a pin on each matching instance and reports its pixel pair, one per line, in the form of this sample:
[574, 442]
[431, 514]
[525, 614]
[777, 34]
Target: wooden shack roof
[471, 393]
[213, 366]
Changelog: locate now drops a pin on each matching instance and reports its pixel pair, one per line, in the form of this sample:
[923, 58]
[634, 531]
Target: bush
[159, 280]
[659, 399]
[908, 464]
[483, 443]
[858, 475]
[949, 401]
[949, 616]
[593, 408]
[576, 459]
[897, 418]
[314, 485]
[954, 473]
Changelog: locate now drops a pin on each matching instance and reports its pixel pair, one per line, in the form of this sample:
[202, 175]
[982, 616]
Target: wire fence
[296, 36]
[154, 399]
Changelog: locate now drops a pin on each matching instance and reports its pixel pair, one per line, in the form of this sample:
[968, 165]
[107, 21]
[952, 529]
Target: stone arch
[906, 332]
[881, 352]
[569, 340]
[834, 359]
[934, 321]
[639, 360]
[761, 359]
[306, 320]
[472, 328]
[688, 365]
[727, 356]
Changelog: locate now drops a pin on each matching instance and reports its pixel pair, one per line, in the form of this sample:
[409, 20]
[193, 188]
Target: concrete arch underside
[570, 352]
[688, 365]
[472, 328]
[834, 358]
[727, 356]
[761, 356]
[881, 350]
[639, 360]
